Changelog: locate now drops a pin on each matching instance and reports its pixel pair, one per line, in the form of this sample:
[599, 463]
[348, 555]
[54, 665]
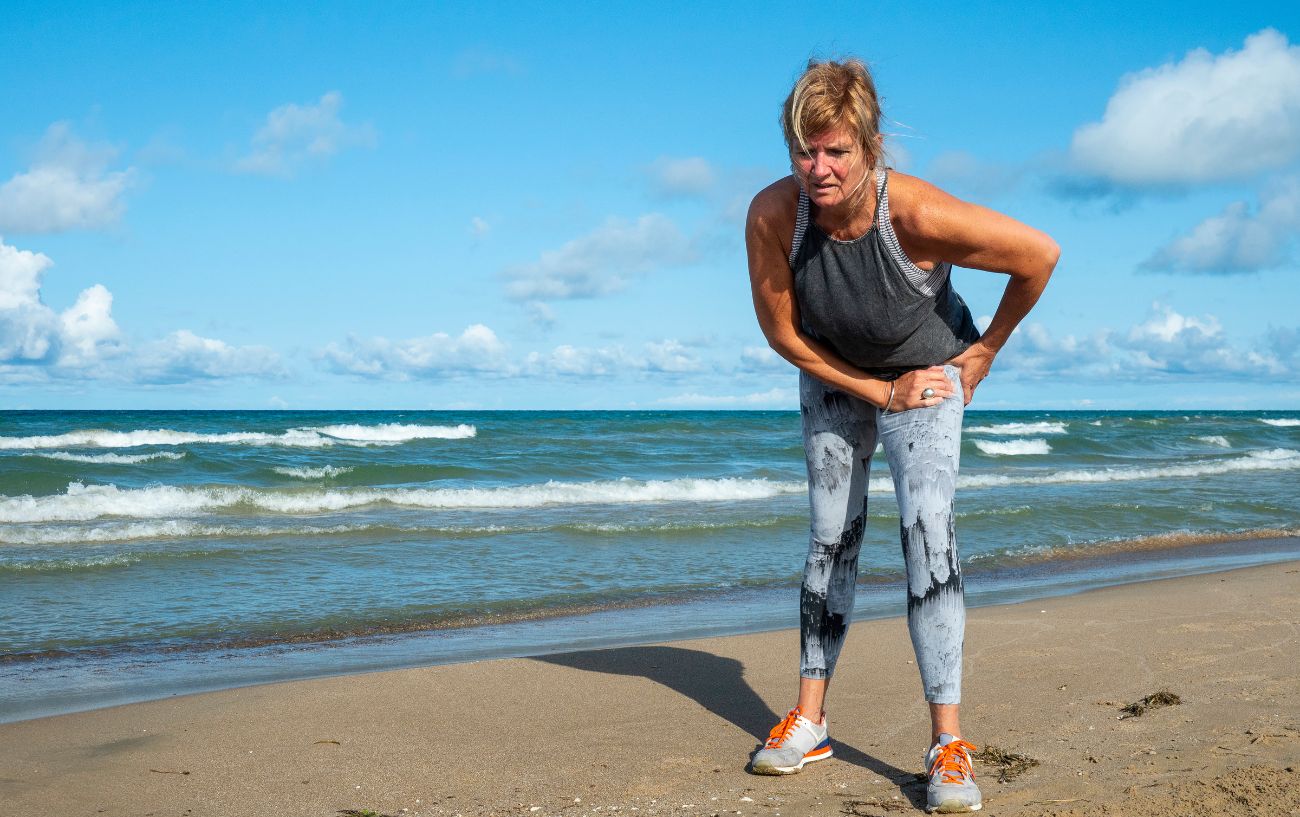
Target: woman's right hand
[909, 387]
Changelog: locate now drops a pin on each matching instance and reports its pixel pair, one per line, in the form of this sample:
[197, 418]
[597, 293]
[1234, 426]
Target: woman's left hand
[974, 364]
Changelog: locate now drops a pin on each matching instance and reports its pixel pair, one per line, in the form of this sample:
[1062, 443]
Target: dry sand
[667, 729]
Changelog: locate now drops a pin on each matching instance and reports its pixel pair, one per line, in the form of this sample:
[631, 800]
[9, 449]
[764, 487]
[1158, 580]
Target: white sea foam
[1276, 459]
[396, 432]
[388, 434]
[99, 438]
[530, 496]
[52, 565]
[307, 472]
[1282, 422]
[119, 532]
[1215, 439]
[83, 503]
[86, 502]
[109, 459]
[182, 528]
[1019, 429]
[1011, 448]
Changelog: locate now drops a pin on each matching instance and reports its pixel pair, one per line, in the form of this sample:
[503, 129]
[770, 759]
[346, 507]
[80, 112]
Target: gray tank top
[869, 302]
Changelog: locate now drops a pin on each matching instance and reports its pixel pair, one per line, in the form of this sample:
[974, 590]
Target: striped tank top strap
[800, 224]
[927, 282]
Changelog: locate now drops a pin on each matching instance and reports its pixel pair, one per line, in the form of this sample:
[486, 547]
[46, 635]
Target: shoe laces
[953, 761]
[783, 730]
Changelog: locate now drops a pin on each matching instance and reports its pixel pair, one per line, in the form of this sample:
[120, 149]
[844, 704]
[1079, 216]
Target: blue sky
[522, 206]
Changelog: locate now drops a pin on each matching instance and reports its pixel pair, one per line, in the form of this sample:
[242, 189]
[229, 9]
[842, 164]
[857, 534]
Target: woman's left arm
[933, 226]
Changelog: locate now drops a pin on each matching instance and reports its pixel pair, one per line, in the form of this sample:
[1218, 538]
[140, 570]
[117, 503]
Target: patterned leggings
[923, 447]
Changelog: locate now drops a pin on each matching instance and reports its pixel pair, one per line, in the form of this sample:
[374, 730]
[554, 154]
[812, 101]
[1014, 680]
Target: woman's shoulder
[915, 203]
[775, 206]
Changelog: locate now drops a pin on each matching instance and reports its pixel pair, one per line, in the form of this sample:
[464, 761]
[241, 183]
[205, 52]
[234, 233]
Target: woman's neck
[849, 219]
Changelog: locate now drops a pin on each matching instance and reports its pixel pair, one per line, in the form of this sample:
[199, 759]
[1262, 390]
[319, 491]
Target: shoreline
[39, 686]
[662, 726]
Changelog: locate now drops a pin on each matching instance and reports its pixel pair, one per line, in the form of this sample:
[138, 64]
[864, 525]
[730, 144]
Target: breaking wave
[109, 459]
[395, 432]
[86, 502]
[307, 472]
[318, 437]
[1276, 459]
[1011, 448]
[1019, 429]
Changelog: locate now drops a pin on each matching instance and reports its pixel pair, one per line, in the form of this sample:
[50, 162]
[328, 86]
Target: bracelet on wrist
[890, 401]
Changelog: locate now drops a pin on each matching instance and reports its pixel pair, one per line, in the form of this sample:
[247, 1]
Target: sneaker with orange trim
[952, 788]
[792, 744]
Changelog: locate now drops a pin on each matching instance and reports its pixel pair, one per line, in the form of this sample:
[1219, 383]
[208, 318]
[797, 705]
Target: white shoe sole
[792, 769]
[953, 807]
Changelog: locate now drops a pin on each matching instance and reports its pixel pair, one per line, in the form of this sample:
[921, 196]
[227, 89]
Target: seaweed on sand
[1010, 764]
[1153, 701]
[866, 808]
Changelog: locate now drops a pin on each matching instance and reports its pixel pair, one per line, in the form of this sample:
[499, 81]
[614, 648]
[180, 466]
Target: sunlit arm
[935, 226]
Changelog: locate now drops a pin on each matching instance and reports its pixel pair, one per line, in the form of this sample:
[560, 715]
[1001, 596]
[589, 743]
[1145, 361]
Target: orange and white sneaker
[792, 744]
[952, 788]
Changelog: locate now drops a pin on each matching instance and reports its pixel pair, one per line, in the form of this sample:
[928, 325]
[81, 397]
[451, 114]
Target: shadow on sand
[718, 684]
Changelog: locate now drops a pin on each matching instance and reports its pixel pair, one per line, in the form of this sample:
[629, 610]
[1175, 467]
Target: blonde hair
[832, 94]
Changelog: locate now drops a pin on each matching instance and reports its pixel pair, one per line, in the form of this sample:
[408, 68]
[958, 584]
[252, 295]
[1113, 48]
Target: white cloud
[295, 134]
[1208, 117]
[573, 360]
[1034, 351]
[1284, 344]
[775, 398]
[88, 329]
[68, 186]
[1167, 344]
[1171, 343]
[33, 333]
[1237, 240]
[84, 342]
[542, 314]
[184, 357]
[20, 276]
[601, 262]
[667, 356]
[763, 359]
[478, 351]
[670, 356]
[475, 350]
[682, 178]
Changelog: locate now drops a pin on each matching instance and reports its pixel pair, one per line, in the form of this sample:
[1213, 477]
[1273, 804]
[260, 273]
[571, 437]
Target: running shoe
[792, 743]
[952, 788]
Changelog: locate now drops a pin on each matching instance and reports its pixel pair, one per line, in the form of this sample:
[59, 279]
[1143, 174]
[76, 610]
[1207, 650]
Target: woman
[849, 264]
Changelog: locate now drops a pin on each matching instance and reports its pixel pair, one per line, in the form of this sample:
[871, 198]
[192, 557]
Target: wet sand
[667, 729]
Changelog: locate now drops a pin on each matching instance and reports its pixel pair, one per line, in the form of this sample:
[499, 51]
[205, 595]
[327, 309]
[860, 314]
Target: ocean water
[149, 553]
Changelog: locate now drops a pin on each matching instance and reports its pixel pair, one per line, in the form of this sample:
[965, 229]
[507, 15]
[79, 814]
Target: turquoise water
[146, 546]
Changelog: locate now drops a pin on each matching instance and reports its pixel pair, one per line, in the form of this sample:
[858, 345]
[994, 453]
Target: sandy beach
[667, 729]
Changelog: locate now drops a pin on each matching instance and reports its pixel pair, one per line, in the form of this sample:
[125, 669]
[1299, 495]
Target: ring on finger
[927, 394]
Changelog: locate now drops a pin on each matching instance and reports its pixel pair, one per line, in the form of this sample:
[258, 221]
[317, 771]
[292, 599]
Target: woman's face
[831, 167]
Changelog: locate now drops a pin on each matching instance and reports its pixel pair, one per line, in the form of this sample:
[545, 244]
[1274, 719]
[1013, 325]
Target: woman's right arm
[770, 219]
